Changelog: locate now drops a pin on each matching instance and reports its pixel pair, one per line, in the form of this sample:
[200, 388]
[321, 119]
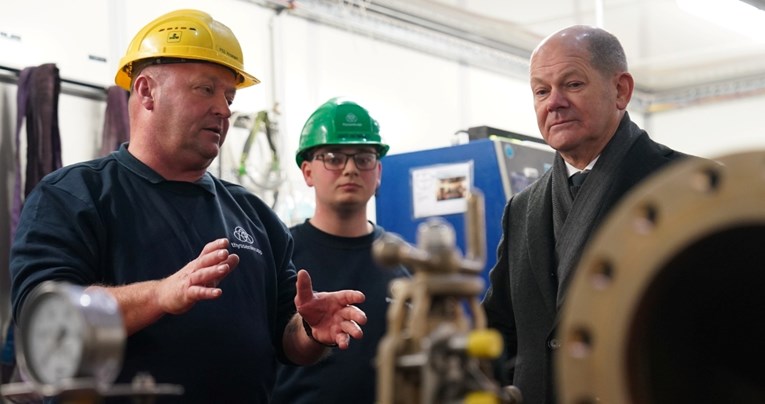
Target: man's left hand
[332, 315]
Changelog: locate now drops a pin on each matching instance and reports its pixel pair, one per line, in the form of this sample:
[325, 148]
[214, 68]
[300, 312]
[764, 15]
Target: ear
[379, 178]
[379, 175]
[143, 87]
[625, 84]
[307, 170]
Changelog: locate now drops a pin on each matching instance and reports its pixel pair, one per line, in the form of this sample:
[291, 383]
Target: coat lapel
[540, 231]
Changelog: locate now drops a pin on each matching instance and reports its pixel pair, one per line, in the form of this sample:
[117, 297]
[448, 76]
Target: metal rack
[75, 88]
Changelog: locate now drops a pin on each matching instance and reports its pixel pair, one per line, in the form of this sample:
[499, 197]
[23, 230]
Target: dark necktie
[575, 181]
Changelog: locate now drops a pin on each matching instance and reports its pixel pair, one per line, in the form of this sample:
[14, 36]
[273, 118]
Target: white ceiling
[672, 54]
[676, 58]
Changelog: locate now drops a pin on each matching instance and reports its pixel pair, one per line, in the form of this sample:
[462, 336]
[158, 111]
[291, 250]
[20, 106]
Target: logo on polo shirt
[244, 237]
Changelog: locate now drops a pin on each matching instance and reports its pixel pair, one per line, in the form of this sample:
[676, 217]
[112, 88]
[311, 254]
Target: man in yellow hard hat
[201, 269]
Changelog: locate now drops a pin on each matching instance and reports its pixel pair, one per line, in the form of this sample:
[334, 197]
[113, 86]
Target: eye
[208, 90]
[540, 92]
[333, 159]
[365, 159]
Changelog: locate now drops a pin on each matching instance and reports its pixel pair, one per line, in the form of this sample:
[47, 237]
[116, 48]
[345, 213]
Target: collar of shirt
[573, 170]
[136, 166]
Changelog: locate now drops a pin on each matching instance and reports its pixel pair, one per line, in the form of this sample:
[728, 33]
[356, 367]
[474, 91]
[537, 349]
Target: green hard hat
[339, 121]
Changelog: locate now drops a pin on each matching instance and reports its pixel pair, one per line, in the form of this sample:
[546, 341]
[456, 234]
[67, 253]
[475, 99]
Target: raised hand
[332, 315]
[198, 280]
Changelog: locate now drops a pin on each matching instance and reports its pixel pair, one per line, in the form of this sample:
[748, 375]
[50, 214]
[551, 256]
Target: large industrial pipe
[668, 303]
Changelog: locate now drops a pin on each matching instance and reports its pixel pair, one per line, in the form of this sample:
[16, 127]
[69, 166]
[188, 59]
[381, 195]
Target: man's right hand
[143, 303]
[198, 280]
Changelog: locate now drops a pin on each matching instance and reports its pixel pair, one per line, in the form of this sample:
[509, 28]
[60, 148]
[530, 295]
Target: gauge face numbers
[55, 339]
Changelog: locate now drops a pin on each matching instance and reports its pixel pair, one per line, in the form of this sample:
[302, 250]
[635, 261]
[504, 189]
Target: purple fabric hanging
[116, 125]
[37, 103]
[38, 91]
[22, 94]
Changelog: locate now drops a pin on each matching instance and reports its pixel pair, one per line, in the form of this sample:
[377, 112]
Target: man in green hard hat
[339, 154]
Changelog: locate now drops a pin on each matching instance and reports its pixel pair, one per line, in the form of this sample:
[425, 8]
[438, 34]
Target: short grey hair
[606, 52]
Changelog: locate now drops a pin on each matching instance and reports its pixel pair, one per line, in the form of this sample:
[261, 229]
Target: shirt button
[553, 343]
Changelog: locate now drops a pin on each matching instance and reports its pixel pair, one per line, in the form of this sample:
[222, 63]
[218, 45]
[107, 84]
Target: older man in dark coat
[581, 87]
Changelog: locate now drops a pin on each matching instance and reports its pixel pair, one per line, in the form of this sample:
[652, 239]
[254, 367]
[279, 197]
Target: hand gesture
[198, 280]
[332, 315]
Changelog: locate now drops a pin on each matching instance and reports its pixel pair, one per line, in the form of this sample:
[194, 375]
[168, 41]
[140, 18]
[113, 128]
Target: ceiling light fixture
[746, 17]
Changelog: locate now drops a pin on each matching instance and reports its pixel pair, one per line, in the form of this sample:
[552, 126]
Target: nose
[221, 107]
[556, 100]
[350, 166]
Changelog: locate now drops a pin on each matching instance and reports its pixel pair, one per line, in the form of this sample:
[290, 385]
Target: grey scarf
[574, 220]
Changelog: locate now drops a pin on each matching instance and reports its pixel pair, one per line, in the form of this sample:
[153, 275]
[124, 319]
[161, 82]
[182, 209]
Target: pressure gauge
[69, 336]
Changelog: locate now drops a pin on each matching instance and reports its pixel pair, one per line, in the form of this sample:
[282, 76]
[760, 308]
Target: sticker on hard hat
[229, 54]
[351, 120]
[174, 36]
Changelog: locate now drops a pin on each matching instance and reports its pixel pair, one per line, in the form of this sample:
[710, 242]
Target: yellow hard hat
[187, 35]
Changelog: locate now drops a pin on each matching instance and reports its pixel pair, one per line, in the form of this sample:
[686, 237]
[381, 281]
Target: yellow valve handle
[481, 397]
[485, 344]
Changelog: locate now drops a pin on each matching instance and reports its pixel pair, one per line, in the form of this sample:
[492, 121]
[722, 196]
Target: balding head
[606, 54]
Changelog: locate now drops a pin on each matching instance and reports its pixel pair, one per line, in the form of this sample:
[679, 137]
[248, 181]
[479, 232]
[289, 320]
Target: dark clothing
[43, 135]
[544, 233]
[37, 105]
[115, 221]
[346, 376]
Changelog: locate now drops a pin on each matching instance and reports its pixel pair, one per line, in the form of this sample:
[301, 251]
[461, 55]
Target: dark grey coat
[523, 300]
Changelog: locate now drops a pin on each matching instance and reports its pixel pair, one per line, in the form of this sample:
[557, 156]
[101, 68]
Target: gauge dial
[68, 335]
[55, 339]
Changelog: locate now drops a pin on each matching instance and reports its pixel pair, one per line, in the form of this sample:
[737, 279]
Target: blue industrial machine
[428, 183]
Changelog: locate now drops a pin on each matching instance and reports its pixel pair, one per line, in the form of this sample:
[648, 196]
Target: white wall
[713, 129]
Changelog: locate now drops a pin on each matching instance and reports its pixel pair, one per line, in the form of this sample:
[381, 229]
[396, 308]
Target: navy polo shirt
[115, 221]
